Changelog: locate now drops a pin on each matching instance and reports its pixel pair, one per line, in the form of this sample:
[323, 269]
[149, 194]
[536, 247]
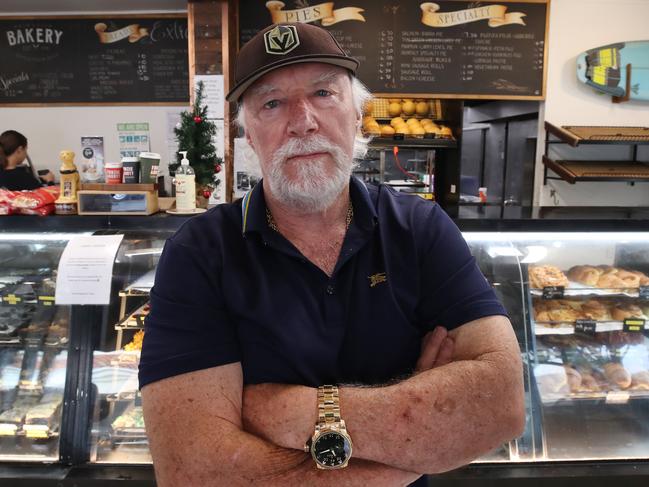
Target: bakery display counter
[576, 293]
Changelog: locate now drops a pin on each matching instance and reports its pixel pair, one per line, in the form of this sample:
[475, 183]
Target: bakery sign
[495, 15]
[325, 12]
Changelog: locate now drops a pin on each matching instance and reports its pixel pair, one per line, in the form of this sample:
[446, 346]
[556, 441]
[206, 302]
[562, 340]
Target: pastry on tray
[621, 311]
[640, 381]
[584, 274]
[546, 275]
[596, 310]
[617, 375]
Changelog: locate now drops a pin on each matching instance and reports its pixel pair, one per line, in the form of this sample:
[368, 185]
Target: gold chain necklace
[348, 220]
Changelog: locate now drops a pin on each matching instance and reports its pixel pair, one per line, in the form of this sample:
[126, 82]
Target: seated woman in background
[13, 176]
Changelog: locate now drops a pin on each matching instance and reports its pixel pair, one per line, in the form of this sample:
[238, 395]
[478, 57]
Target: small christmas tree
[194, 134]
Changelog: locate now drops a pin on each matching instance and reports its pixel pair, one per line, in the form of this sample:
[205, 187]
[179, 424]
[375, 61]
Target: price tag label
[643, 292]
[617, 397]
[46, 300]
[585, 327]
[399, 137]
[12, 299]
[553, 292]
[633, 325]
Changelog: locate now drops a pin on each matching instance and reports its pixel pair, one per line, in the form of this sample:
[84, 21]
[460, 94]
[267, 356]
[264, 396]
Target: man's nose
[302, 119]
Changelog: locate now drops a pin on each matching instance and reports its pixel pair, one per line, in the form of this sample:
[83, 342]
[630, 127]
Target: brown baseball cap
[279, 45]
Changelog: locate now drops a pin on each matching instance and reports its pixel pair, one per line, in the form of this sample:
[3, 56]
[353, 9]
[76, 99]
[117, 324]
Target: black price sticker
[553, 292]
[399, 137]
[633, 325]
[643, 292]
[585, 327]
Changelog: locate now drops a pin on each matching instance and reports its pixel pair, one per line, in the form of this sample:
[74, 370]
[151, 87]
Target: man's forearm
[419, 424]
[433, 422]
[241, 459]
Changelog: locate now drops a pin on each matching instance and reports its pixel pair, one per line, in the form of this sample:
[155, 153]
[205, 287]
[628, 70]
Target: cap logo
[281, 40]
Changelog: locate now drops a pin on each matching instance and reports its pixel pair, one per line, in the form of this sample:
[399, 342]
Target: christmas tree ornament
[207, 193]
[198, 119]
[217, 168]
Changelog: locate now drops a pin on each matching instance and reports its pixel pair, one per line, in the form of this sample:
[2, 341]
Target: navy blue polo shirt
[228, 289]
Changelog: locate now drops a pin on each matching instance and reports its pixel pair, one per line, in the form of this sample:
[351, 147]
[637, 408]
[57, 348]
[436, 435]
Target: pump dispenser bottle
[185, 182]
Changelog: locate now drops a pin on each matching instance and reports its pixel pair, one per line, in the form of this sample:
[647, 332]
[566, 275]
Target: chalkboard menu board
[94, 60]
[447, 48]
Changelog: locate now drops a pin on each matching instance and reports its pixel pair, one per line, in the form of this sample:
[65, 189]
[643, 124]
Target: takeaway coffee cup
[113, 172]
[149, 164]
[131, 167]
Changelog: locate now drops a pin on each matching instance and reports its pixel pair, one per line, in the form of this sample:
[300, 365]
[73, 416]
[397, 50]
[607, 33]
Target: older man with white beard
[319, 331]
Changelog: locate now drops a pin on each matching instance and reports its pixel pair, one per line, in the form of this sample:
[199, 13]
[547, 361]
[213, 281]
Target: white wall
[575, 26]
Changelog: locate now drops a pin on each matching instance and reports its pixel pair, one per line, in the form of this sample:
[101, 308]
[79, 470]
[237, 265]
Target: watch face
[331, 449]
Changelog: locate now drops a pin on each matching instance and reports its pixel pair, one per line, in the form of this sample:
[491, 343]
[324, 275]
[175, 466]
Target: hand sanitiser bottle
[185, 181]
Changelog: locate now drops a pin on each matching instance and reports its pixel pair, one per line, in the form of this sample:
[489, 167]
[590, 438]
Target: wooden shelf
[585, 134]
[620, 171]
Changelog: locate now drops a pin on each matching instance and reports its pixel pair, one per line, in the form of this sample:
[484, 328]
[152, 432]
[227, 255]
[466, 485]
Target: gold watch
[330, 445]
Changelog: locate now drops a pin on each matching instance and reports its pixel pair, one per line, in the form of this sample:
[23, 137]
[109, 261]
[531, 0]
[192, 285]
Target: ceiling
[8, 7]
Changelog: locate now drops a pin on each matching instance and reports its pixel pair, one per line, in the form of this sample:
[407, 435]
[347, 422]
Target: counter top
[471, 218]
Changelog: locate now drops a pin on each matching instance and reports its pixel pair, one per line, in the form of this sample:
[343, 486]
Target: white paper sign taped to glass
[86, 270]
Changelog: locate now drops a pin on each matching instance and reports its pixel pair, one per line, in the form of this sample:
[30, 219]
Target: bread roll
[584, 274]
[617, 375]
[631, 279]
[589, 383]
[643, 279]
[622, 311]
[573, 378]
[546, 275]
[609, 280]
[640, 380]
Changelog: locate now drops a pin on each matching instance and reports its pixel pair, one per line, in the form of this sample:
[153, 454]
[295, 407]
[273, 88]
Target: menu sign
[447, 48]
[94, 60]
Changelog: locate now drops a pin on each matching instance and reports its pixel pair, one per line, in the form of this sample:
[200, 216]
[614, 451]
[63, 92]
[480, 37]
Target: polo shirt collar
[253, 208]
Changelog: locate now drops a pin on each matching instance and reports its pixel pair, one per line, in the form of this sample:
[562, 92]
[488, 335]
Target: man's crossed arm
[205, 428]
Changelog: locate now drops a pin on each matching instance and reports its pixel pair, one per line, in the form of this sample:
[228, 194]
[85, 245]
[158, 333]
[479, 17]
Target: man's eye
[271, 104]
[323, 93]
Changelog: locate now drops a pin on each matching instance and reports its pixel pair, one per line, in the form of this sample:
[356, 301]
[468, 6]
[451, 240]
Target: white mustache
[303, 147]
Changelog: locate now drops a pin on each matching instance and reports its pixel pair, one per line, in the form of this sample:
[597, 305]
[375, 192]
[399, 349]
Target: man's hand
[436, 350]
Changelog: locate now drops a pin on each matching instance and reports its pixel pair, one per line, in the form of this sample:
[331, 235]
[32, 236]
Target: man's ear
[249, 140]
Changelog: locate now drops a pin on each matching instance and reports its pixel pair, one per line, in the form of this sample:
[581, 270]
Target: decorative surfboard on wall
[620, 70]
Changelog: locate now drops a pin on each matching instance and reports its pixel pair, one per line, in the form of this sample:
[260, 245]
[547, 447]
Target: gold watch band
[328, 404]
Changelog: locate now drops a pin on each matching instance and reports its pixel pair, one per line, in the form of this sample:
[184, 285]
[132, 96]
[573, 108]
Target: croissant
[584, 274]
[616, 374]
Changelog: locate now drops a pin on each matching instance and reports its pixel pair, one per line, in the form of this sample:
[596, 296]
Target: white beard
[314, 187]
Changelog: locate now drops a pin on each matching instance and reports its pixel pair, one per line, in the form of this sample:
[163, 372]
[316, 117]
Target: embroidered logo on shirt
[377, 278]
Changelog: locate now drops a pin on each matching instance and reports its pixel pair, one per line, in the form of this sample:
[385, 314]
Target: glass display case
[33, 346]
[578, 302]
[118, 435]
